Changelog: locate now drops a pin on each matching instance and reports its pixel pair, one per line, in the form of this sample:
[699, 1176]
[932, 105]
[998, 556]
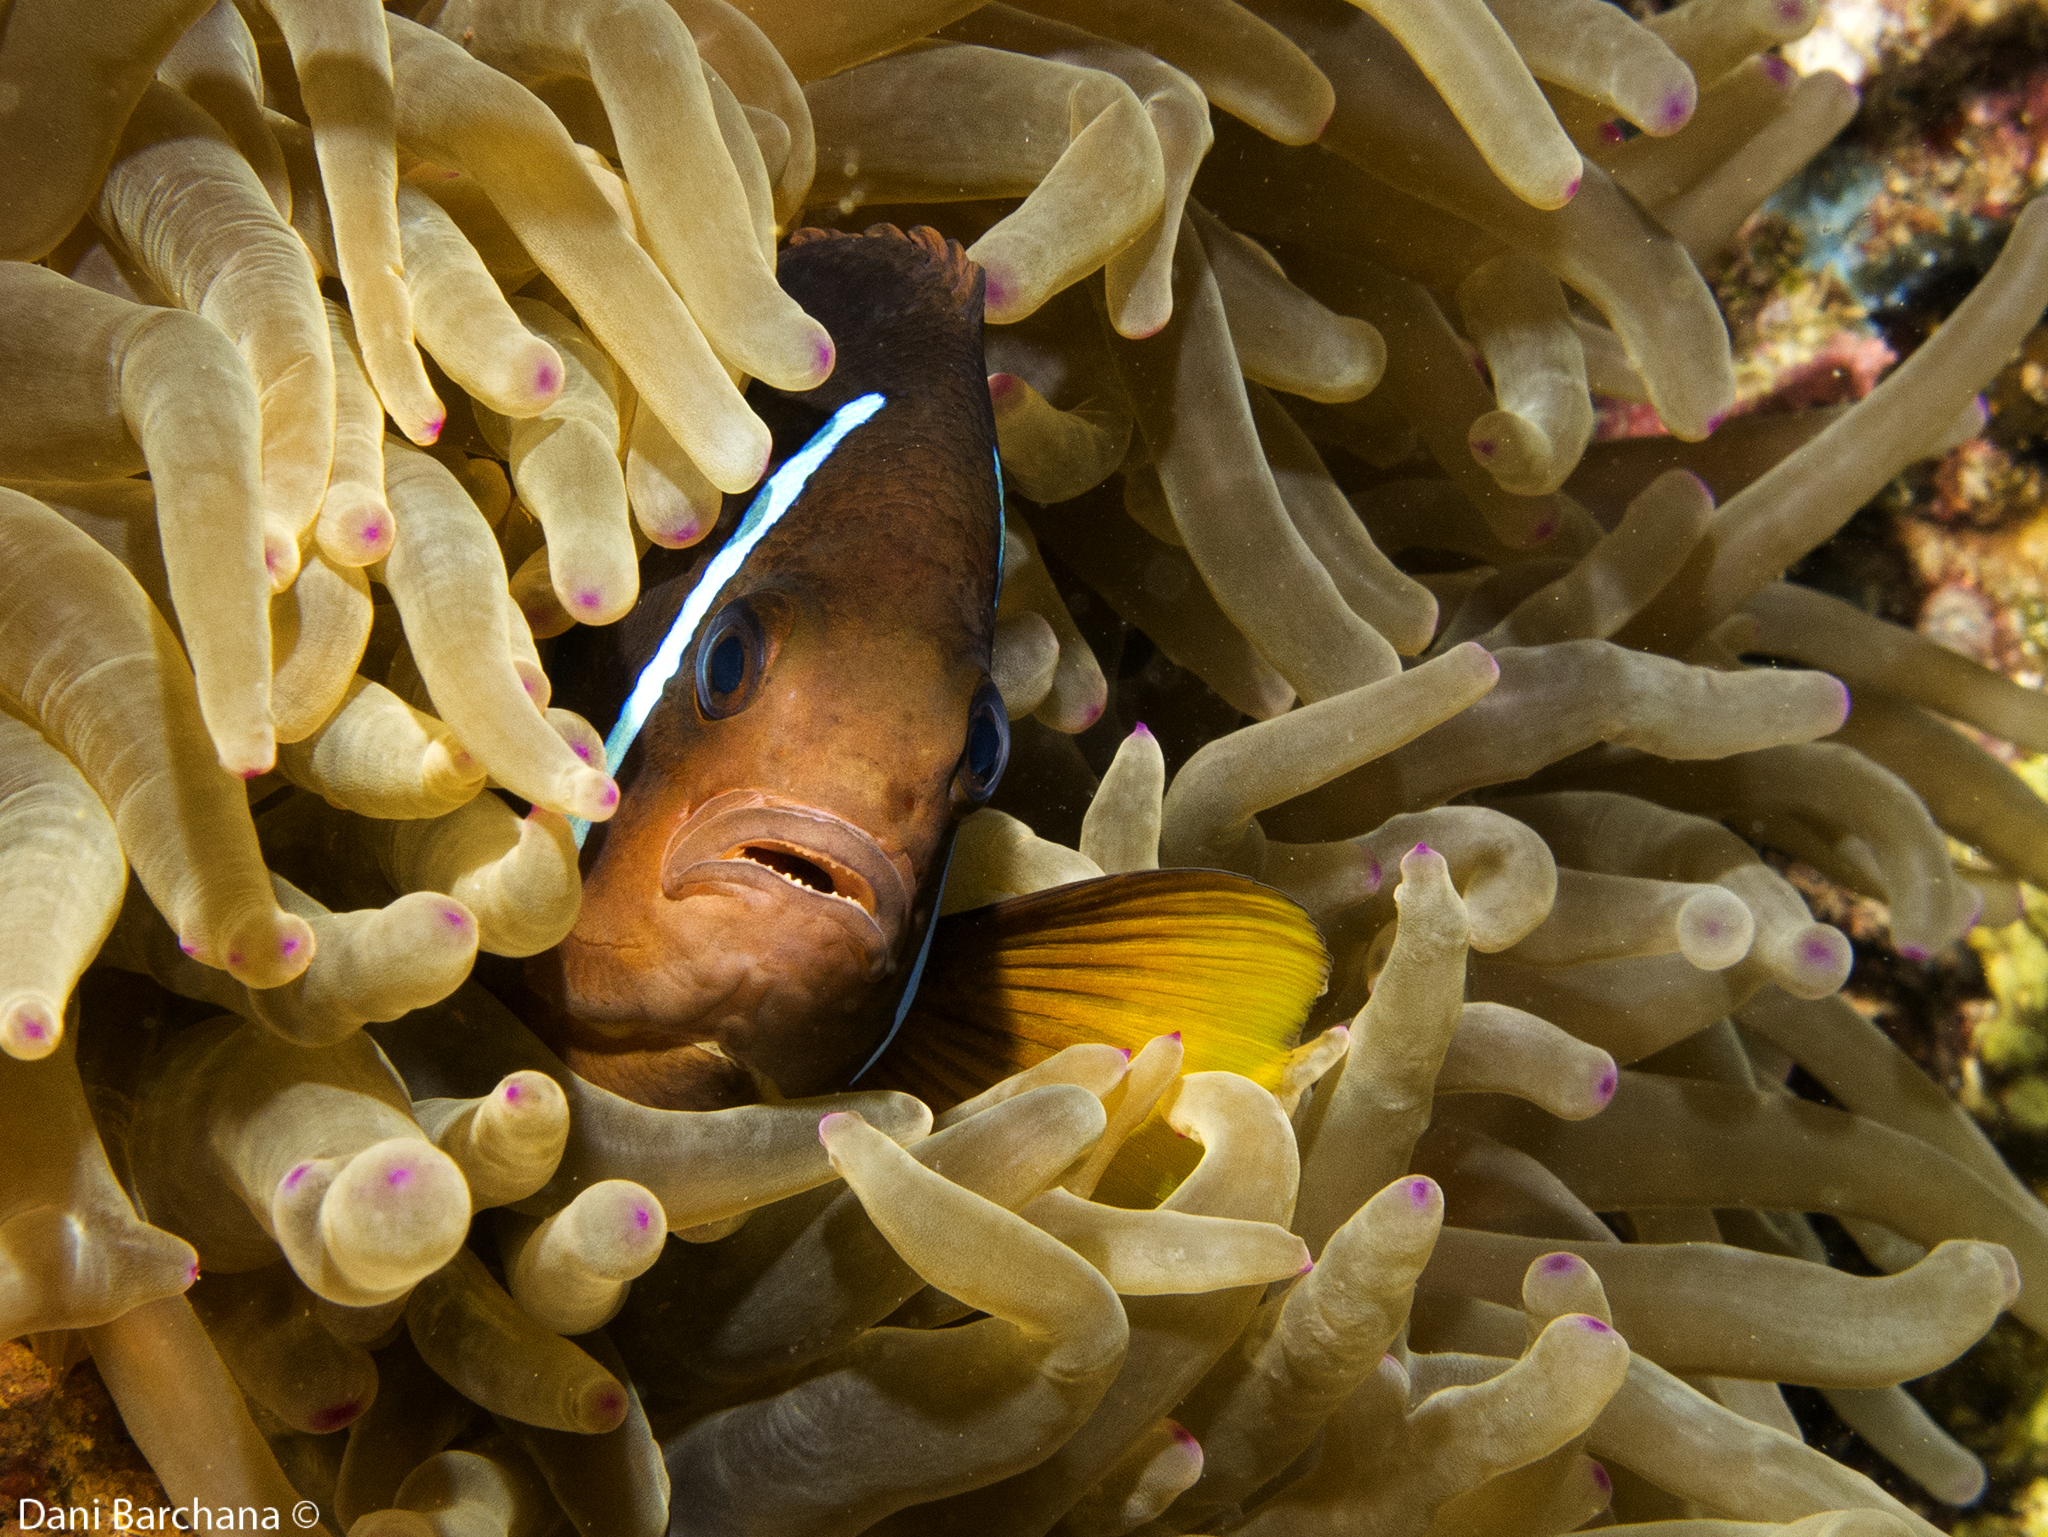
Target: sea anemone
[1298, 311]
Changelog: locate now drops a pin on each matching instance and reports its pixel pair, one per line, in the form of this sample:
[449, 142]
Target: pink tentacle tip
[1776, 70]
[188, 947]
[373, 535]
[1571, 188]
[192, 1273]
[1485, 448]
[399, 1177]
[610, 797]
[825, 1122]
[1002, 388]
[1610, 1080]
[588, 598]
[1602, 1479]
[1914, 952]
[1421, 1192]
[1375, 872]
[234, 957]
[1175, 1036]
[513, 1093]
[581, 750]
[247, 774]
[430, 429]
[1142, 730]
[1543, 530]
[1185, 1439]
[1092, 714]
[547, 377]
[1790, 11]
[687, 532]
[288, 946]
[1678, 107]
[1306, 1266]
[455, 917]
[1611, 132]
[335, 1416]
[1558, 1264]
[826, 357]
[641, 1217]
[1817, 950]
[291, 1180]
[1714, 422]
[1126, 1052]
[1593, 1325]
[1419, 850]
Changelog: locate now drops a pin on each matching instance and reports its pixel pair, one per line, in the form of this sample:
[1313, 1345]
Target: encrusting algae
[1297, 314]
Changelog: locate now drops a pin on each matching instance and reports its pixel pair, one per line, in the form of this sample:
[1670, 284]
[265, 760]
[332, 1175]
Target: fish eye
[987, 751]
[731, 656]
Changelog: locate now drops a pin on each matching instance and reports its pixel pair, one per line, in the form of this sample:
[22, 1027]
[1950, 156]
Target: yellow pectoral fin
[1230, 964]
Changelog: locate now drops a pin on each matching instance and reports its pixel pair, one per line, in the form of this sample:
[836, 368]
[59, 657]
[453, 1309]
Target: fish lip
[870, 891]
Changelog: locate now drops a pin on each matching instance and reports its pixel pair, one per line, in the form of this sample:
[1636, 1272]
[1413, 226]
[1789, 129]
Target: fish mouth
[762, 842]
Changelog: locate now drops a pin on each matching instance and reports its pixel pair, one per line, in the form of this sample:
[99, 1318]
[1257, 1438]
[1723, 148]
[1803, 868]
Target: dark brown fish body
[775, 860]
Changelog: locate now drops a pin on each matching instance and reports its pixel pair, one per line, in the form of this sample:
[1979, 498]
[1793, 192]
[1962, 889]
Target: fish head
[755, 908]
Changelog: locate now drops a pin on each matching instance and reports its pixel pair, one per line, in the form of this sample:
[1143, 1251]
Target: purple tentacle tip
[1306, 1266]
[1603, 1479]
[399, 1178]
[1558, 1264]
[581, 749]
[188, 947]
[588, 597]
[547, 377]
[289, 945]
[1420, 848]
[1185, 1438]
[1914, 952]
[373, 533]
[512, 1093]
[641, 1218]
[455, 917]
[1678, 107]
[291, 1180]
[610, 798]
[1611, 132]
[432, 426]
[825, 1121]
[1817, 951]
[1776, 70]
[1593, 1325]
[1485, 448]
[1544, 530]
[1126, 1052]
[1421, 1192]
[1143, 730]
[1571, 189]
[1610, 1080]
[251, 773]
[827, 355]
[192, 1272]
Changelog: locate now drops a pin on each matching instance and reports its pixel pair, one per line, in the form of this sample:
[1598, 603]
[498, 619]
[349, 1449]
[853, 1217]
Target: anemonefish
[800, 713]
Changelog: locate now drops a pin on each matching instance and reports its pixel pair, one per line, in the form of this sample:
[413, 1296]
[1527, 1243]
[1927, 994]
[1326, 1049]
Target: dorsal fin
[951, 268]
